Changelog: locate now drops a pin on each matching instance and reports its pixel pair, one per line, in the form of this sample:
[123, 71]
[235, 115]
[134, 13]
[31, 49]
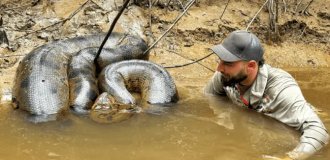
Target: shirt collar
[258, 87]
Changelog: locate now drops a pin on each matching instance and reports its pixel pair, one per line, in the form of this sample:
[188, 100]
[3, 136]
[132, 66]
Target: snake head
[107, 110]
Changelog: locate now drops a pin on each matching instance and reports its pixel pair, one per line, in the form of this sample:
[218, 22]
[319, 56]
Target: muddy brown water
[196, 128]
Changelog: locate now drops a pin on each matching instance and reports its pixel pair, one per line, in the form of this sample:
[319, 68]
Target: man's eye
[228, 63]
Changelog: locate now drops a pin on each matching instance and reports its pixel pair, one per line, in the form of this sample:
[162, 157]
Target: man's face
[232, 72]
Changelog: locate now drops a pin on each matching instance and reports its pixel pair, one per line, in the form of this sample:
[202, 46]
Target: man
[248, 82]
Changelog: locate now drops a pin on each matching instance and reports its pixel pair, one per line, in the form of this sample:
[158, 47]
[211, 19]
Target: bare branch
[310, 2]
[256, 15]
[224, 9]
[176, 20]
[285, 7]
[297, 6]
[181, 4]
[150, 16]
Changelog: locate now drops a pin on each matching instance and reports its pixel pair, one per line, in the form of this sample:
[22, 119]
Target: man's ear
[252, 64]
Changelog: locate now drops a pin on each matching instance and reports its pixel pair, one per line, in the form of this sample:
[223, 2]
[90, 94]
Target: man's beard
[232, 81]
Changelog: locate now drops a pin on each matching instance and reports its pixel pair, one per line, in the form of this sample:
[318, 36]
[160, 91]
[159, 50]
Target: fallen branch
[176, 20]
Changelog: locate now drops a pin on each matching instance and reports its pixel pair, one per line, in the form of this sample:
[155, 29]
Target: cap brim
[224, 54]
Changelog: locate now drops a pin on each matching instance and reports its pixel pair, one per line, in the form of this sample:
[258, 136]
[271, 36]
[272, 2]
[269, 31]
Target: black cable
[186, 64]
[110, 31]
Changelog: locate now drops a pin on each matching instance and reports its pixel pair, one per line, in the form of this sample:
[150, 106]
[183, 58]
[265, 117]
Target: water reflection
[196, 128]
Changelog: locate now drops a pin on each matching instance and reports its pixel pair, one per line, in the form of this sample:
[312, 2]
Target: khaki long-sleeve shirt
[275, 93]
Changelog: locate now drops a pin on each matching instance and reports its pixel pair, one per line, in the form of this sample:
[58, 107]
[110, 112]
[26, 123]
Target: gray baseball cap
[239, 45]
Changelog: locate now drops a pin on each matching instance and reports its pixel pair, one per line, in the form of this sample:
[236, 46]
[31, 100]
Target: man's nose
[220, 67]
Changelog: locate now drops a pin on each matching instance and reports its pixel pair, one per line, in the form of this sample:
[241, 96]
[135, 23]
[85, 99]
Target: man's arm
[292, 109]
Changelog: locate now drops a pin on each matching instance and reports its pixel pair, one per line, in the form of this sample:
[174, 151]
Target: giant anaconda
[120, 79]
[55, 76]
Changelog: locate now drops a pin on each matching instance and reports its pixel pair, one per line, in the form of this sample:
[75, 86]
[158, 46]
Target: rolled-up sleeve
[292, 109]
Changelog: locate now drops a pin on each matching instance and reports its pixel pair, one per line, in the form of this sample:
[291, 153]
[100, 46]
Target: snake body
[42, 85]
[151, 80]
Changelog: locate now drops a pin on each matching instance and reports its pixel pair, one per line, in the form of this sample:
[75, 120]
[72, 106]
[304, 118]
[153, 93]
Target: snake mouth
[132, 108]
[102, 107]
[107, 110]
